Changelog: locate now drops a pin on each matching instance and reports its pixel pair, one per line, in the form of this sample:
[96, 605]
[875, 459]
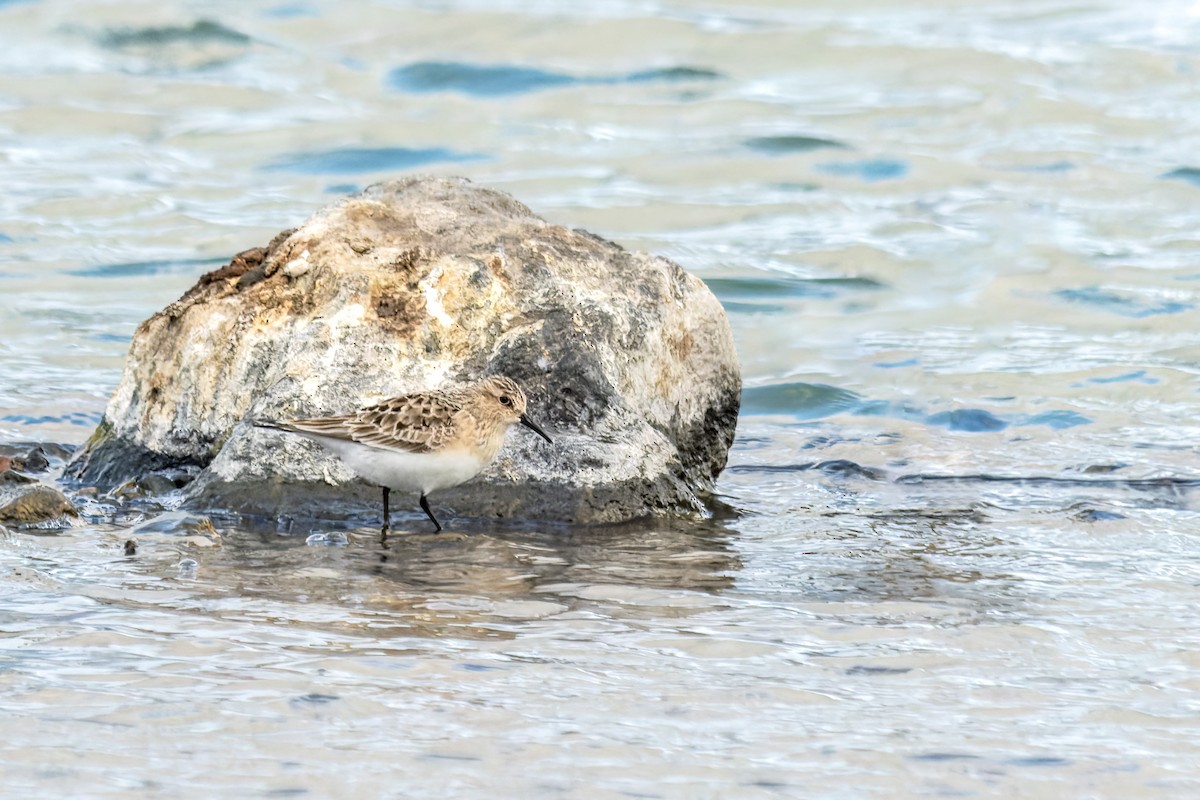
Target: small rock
[156, 484]
[36, 461]
[129, 490]
[33, 457]
[201, 533]
[181, 526]
[34, 504]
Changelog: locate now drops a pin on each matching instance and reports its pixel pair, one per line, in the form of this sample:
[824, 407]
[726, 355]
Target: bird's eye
[505, 400]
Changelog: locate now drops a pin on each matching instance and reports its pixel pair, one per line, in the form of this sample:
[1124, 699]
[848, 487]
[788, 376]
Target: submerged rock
[627, 360]
[35, 457]
[26, 503]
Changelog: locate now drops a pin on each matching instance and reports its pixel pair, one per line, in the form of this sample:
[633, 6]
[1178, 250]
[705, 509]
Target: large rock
[627, 360]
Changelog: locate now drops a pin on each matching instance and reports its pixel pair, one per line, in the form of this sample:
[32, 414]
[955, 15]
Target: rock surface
[627, 360]
[32, 457]
[28, 503]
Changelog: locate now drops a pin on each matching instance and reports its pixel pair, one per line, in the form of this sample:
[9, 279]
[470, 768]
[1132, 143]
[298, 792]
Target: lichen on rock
[415, 284]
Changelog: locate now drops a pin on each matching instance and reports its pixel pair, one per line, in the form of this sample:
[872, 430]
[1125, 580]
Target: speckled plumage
[422, 441]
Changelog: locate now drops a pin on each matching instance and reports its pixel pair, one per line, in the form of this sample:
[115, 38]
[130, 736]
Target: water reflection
[923, 556]
[479, 583]
[666, 554]
[919, 554]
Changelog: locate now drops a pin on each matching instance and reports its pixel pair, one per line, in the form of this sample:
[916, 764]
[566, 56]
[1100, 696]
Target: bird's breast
[404, 471]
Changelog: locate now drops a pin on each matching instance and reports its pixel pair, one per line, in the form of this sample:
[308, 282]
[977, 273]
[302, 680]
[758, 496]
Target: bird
[424, 441]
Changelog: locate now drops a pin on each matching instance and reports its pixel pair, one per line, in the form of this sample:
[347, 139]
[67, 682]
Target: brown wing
[415, 423]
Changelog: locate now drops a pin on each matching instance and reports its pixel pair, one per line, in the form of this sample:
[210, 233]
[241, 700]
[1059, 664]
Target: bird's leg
[425, 508]
[387, 517]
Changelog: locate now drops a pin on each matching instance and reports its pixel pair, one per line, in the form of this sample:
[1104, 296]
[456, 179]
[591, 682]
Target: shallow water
[958, 244]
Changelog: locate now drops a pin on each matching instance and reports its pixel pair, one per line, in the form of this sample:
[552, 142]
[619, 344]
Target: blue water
[355, 160]
[498, 80]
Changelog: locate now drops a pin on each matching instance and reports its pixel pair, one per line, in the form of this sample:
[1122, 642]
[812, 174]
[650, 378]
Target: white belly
[405, 472]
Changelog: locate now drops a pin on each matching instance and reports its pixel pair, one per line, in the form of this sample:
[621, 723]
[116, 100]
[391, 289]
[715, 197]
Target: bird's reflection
[480, 580]
[511, 561]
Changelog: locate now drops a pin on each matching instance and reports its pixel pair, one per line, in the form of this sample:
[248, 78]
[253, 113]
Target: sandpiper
[424, 441]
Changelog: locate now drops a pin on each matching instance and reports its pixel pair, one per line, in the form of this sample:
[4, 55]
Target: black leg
[425, 507]
[387, 517]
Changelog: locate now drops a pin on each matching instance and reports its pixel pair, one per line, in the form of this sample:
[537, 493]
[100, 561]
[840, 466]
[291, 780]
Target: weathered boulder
[627, 361]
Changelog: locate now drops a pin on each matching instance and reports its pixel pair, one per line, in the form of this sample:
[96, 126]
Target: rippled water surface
[959, 549]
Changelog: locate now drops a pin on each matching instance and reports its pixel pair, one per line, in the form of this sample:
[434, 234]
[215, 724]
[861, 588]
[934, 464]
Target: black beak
[533, 426]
